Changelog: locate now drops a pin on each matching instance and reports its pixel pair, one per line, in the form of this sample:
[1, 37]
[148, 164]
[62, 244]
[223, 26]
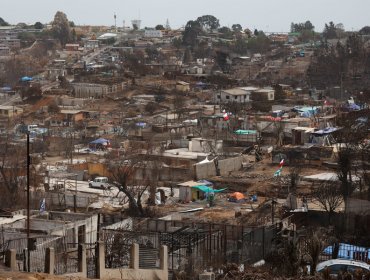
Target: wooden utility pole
[28, 203]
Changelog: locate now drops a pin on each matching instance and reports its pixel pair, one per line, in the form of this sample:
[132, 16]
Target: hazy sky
[268, 15]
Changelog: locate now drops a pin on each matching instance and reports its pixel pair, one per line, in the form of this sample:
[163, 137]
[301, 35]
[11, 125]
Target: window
[219, 96]
[227, 97]
[81, 234]
[235, 97]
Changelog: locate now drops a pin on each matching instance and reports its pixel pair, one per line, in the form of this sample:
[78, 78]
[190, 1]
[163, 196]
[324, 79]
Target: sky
[267, 15]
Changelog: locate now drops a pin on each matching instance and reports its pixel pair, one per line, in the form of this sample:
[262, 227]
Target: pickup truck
[100, 183]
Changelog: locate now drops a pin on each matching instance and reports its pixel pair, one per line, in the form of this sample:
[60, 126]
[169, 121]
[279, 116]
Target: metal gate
[91, 260]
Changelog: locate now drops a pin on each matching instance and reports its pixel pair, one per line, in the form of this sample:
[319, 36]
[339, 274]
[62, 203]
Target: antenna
[168, 27]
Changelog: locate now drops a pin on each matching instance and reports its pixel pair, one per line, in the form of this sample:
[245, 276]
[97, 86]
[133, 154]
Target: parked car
[336, 266]
[100, 183]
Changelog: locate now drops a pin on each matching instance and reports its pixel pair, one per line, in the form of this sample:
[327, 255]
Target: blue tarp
[347, 251]
[6, 88]
[26, 79]
[141, 124]
[354, 107]
[325, 131]
[100, 141]
[306, 112]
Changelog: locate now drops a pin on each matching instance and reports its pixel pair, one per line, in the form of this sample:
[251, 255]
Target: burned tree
[365, 165]
[118, 243]
[122, 175]
[12, 172]
[345, 159]
[284, 256]
[294, 176]
[313, 249]
[348, 156]
[134, 174]
[179, 104]
[329, 195]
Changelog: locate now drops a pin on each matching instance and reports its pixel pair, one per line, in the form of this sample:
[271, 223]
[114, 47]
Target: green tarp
[245, 132]
[207, 189]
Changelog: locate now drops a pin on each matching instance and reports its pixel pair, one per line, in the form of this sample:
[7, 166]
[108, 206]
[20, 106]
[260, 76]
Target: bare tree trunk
[135, 210]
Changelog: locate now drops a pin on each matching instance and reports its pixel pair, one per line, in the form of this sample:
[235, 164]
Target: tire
[90, 185]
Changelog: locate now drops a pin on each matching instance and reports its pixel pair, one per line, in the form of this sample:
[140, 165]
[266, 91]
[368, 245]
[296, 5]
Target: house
[214, 121]
[278, 38]
[188, 192]
[56, 69]
[301, 135]
[91, 44]
[86, 90]
[73, 116]
[10, 111]
[239, 94]
[72, 47]
[166, 118]
[182, 86]
[152, 33]
[201, 145]
[197, 70]
[265, 94]
[68, 117]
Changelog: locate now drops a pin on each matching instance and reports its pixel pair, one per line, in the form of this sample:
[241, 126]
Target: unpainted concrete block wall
[230, 164]
[207, 170]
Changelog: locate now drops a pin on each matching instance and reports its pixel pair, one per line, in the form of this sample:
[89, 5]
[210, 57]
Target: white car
[341, 265]
[100, 183]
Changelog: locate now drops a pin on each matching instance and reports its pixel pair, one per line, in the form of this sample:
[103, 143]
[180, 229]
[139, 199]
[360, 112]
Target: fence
[91, 259]
[66, 262]
[257, 243]
[119, 242]
[199, 246]
[66, 254]
[346, 251]
[37, 256]
[190, 246]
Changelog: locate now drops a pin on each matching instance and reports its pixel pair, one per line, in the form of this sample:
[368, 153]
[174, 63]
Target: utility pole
[341, 85]
[28, 203]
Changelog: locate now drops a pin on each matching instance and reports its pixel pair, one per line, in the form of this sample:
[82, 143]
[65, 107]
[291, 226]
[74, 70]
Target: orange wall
[93, 168]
